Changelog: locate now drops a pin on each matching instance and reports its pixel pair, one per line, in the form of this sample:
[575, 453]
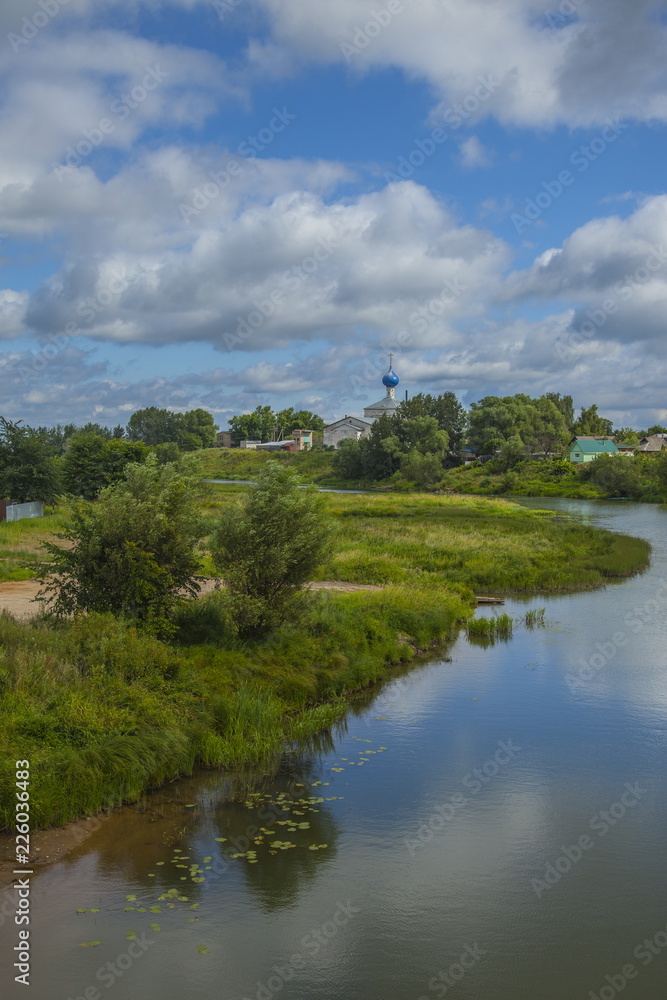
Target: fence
[19, 511]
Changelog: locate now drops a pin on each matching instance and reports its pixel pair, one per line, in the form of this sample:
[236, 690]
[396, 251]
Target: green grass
[104, 712]
[21, 545]
[239, 463]
[478, 543]
[494, 627]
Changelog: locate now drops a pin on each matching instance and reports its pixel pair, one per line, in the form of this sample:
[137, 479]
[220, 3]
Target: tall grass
[104, 712]
[494, 627]
[21, 545]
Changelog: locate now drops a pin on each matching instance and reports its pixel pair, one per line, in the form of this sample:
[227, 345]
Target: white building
[352, 428]
[346, 429]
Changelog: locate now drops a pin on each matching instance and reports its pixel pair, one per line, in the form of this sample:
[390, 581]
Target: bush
[133, 552]
[267, 547]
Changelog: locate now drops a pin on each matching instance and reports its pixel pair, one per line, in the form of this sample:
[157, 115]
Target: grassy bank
[21, 545]
[103, 712]
[479, 543]
[239, 463]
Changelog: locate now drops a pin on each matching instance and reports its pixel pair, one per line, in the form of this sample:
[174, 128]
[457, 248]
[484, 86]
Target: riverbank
[103, 712]
[642, 478]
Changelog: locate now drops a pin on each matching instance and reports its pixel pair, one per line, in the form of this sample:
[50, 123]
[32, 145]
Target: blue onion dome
[390, 379]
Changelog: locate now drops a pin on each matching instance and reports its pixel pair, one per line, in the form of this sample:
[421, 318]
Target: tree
[260, 425]
[591, 423]
[510, 454]
[565, 405]
[92, 462]
[419, 447]
[197, 430]
[153, 425]
[56, 438]
[539, 423]
[657, 429]
[615, 475]
[446, 410]
[28, 469]
[493, 420]
[268, 546]
[550, 430]
[133, 552]
[626, 435]
[288, 421]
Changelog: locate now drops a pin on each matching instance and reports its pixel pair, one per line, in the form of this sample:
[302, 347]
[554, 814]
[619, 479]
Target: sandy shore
[18, 596]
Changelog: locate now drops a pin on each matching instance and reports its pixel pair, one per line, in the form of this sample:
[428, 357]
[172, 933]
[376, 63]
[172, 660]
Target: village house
[653, 444]
[586, 448]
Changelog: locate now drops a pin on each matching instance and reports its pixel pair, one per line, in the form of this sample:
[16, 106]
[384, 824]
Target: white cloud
[608, 60]
[473, 154]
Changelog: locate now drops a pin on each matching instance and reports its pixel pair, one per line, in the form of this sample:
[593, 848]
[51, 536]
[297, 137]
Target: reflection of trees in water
[130, 844]
[278, 875]
[132, 841]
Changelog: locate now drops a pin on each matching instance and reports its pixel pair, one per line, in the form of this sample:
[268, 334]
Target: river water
[490, 825]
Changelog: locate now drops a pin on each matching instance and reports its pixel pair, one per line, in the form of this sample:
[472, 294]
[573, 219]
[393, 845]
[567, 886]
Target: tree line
[41, 463]
[428, 434]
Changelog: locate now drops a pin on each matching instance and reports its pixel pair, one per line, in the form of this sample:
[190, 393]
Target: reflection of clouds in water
[264, 822]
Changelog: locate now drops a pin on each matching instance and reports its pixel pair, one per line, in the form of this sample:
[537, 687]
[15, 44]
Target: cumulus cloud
[262, 263]
[615, 271]
[606, 59]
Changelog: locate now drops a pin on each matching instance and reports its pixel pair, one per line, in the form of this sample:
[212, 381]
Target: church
[353, 428]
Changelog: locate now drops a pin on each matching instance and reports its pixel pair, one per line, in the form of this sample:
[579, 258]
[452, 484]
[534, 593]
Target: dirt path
[17, 596]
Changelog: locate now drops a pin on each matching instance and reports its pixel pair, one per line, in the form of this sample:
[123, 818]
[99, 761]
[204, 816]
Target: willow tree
[268, 546]
[133, 552]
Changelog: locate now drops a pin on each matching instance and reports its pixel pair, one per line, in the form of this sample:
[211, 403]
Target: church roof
[354, 421]
[386, 403]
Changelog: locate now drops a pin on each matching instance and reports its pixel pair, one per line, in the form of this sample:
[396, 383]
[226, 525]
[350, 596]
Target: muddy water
[488, 825]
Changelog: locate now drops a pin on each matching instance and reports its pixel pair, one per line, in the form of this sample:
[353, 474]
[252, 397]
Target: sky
[233, 203]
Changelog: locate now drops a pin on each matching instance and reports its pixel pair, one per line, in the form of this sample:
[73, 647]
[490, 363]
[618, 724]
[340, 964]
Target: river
[488, 825]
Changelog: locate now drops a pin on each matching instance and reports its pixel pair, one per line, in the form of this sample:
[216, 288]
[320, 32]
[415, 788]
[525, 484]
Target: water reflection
[435, 842]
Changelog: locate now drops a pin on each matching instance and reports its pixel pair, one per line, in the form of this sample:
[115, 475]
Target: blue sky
[226, 204]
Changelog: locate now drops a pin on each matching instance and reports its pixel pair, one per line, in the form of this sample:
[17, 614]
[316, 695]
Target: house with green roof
[587, 448]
